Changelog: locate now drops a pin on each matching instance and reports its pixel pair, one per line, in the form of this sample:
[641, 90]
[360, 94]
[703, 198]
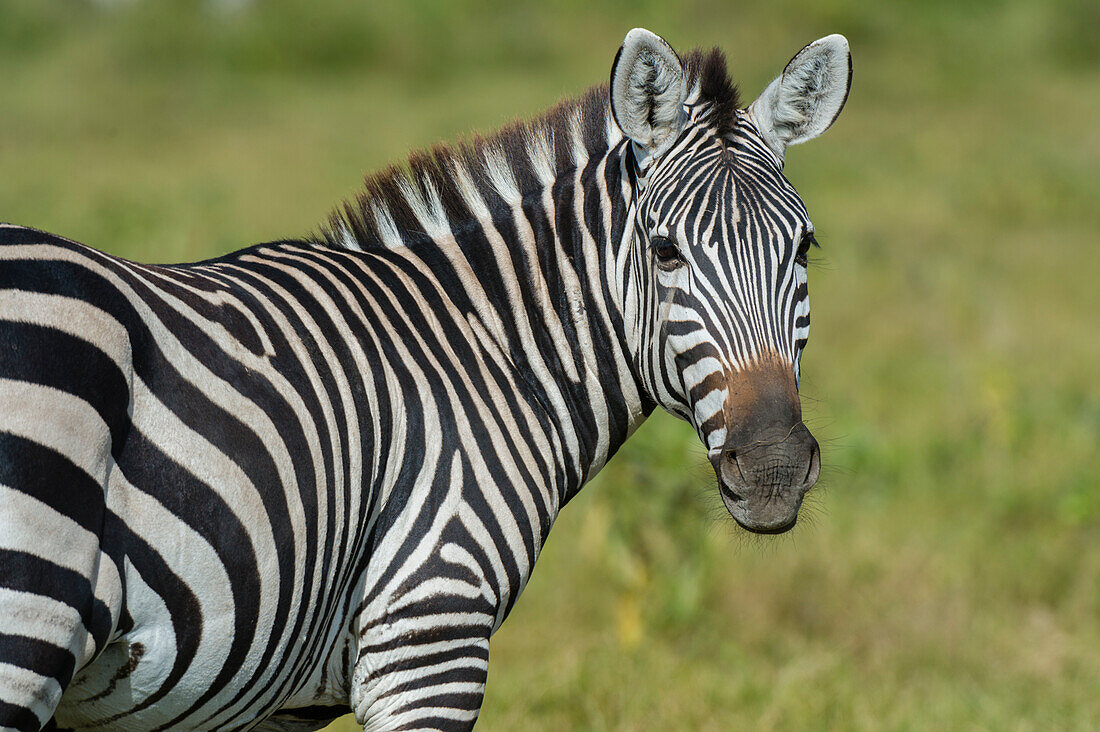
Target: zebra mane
[716, 88]
[452, 183]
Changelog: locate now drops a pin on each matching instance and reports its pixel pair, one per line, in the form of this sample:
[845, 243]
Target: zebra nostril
[814, 469]
[737, 497]
[730, 471]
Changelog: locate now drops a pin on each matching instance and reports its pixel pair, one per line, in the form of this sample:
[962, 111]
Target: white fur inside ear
[807, 97]
[648, 91]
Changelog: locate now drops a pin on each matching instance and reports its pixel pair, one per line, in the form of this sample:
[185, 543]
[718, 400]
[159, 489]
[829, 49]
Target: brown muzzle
[769, 459]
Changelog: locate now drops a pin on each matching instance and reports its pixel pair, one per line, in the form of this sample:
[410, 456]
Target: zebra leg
[431, 681]
[423, 664]
[51, 566]
[437, 689]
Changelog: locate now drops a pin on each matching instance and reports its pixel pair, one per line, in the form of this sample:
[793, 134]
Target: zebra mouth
[742, 513]
[769, 532]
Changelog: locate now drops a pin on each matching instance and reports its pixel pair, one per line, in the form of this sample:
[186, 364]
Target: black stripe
[39, 656]
[40, 355]
[52, 478]
[26, 572]
[18, 718]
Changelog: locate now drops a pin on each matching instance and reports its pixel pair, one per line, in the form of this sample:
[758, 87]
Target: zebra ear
[647, 91]
[807, 97]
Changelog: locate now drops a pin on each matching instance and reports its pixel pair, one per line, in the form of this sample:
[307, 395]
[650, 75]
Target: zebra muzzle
[763, 482]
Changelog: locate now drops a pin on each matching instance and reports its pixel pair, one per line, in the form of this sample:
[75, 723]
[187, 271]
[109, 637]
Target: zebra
[313, 476]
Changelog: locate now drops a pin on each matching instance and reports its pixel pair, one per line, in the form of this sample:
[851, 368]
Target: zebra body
[363, 456]
[312, 476]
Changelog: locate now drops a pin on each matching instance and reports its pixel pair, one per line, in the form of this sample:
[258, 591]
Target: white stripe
[39, 617]
[25, 688]
[72, 317]
[29, 525]
[58, 420]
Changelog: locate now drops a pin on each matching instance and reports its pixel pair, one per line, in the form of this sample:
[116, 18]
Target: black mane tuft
[716, 88]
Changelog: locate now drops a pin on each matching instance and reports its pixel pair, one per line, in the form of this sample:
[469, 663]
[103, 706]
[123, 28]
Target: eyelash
[808, 240]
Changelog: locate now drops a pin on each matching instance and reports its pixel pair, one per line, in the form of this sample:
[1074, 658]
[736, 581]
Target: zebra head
[717, 308]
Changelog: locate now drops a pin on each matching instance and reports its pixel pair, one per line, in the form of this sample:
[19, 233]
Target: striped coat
[313, 476]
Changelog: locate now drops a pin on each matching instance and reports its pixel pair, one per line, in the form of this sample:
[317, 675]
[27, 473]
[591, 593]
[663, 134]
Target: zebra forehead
[739, 182]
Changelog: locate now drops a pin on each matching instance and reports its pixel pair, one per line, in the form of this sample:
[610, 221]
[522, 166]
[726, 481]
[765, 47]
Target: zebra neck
[538, 275]
[523, 230]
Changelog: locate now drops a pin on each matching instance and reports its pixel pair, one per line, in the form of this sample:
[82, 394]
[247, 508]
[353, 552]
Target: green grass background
[948, 575]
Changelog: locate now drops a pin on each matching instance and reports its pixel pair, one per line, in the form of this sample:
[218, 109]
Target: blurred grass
[949, 573]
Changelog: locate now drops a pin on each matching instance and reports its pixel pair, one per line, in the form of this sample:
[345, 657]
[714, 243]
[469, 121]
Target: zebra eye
[803, 252]
[667, 253]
